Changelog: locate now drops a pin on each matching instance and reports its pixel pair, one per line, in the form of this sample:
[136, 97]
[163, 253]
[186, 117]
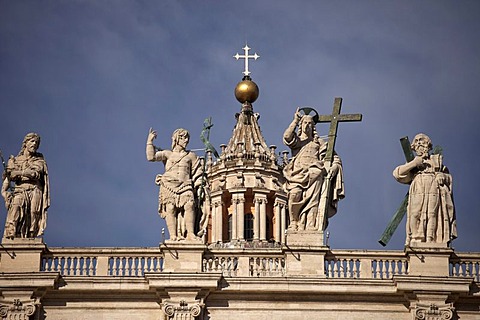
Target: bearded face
[421, 145]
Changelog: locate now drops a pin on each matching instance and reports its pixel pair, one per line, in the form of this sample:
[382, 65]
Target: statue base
[306, 253]
[428, 260]
[427, 245]
[183, 255]
[310, 238]
[21, 254]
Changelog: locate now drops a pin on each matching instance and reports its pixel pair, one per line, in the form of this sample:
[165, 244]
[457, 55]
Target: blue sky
[91, 77]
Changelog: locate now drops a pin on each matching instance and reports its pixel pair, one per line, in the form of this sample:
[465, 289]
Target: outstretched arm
[150, 149]
[289, 133]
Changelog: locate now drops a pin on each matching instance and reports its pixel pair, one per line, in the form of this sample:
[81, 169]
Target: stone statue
[27, 202]
[178, 185]
[430, 210]
[314, 186]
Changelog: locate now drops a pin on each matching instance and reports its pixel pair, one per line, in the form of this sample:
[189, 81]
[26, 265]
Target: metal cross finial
[246, 56]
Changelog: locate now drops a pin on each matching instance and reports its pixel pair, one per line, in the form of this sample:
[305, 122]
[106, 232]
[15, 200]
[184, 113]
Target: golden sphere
[246, 91]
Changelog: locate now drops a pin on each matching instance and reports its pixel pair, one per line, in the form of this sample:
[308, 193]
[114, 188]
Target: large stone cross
[246, 56]
[334, 119]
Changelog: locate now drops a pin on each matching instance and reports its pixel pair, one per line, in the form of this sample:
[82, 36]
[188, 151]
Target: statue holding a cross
[314, 176]
[430, 209]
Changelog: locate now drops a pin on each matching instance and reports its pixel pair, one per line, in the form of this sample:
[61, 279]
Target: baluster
[141, 265]
[150, 264]
[331, 264]
[348, 268]
[375, 268]
[82, 265]
[76, 263]
[118, 262]
[153, 264]
[393, 267]
[469, 269]
[205, 262]
[138, 266]
[389, 269]
[130, 266]
[335, 268]
[354, 273]
[86, 265]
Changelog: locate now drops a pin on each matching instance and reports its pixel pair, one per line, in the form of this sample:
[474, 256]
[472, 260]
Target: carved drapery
[433, 312]
[182, 310]
[17, 310]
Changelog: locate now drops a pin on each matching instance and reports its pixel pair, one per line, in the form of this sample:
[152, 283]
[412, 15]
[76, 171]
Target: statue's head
[421, 144]
[307, 126]
[180, 137]
[31, 142]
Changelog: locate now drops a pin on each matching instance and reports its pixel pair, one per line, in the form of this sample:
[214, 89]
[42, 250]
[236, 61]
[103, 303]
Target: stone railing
[244, 262]
[465, 264]
[365, 264]
[129, 262]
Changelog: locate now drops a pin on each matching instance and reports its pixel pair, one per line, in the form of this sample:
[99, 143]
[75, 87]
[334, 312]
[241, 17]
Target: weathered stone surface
[29, 198]
[430, 211]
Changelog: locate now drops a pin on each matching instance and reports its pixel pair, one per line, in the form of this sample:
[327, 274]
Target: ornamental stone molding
[182, 310]
[18, 310]
[433, 312]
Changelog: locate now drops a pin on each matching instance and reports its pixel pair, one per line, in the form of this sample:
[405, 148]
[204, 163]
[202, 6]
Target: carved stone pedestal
[182, 256]
[21, 255]
[428, 260]
[304, 238]
[305, 253]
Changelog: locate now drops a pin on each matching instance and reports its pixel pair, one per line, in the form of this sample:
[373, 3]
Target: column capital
[182, 309]
[18, 309]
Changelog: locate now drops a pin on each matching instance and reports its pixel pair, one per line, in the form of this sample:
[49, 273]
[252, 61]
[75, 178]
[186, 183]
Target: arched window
[248, 227]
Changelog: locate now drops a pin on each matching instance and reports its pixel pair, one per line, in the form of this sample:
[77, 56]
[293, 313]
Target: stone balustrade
[245, 262]
[465, 265]
[365, 264]
[241, 262]
[125, 262]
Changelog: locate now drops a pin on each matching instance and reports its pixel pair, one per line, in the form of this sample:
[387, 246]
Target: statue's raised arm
[176, 203]
[312, 199]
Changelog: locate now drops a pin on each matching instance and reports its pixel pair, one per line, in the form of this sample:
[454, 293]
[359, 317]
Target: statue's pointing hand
[152, 134]
[298, 115]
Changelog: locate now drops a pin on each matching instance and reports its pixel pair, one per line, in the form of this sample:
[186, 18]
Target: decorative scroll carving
[433, 312]
[182, 310]
[18, 310]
